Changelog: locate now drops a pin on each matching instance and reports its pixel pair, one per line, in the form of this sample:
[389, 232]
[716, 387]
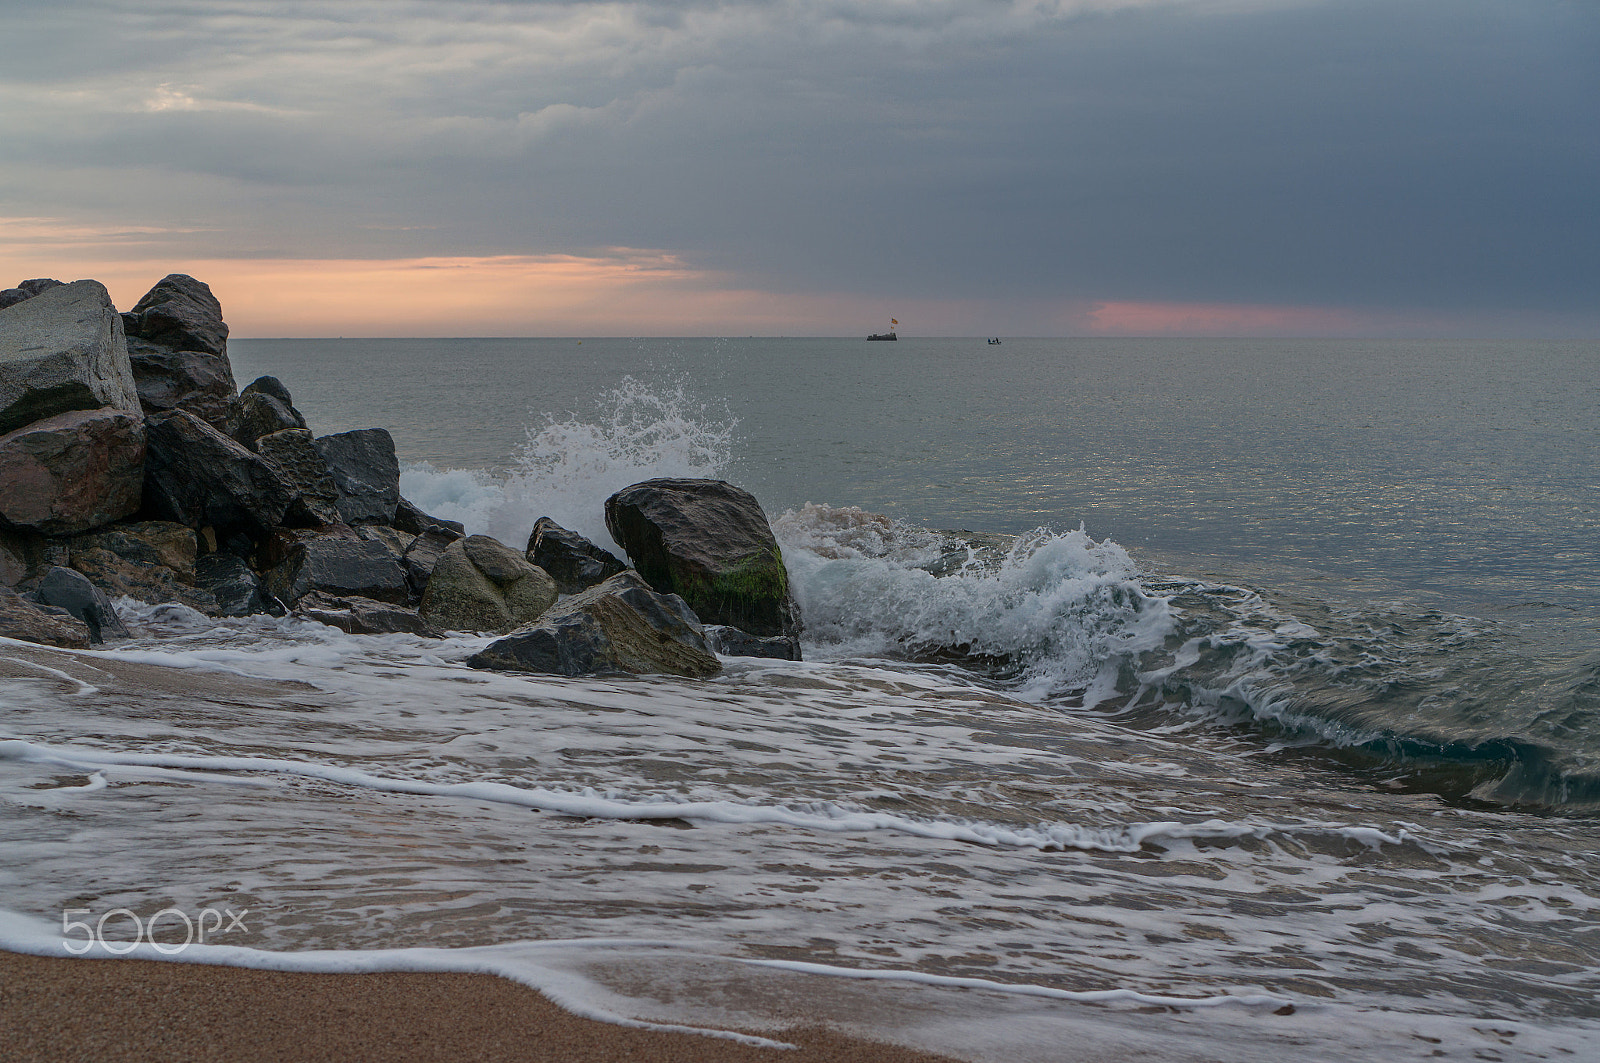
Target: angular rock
[179, 313]
[367, 472]
[338, 563]
[73, 471]
[63, 350]
[731, 642]
[197, 476]
[150, 542]
[195, 381]
[23, 620]
[232, 584]
[313, 496]
[423, 554]
[256, 415]
[398, 541]
[708, 542]
[72, 591]
[362, 616]
[574, 562]
[479, 584]
[139, 580]
[620, 625]
[408, 518]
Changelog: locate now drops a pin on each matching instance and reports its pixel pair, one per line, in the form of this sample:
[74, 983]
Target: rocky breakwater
[130, 466]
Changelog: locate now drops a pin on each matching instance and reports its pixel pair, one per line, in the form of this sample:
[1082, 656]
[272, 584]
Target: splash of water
[567, 468]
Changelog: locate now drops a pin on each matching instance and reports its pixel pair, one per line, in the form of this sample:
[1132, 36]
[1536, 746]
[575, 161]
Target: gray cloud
[1432, 156]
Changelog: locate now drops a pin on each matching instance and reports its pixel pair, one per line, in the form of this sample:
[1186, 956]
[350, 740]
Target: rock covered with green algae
[620, 625]
[708, 542]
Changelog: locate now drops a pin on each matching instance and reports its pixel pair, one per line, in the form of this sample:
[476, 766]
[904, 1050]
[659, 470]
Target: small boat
[883, 336]
[994, 341]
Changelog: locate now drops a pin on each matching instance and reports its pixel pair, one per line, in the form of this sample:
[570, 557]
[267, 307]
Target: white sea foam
[567, 468]
[1064, 611]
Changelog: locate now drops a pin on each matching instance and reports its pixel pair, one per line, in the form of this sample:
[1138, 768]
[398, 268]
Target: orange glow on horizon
[1130, 318]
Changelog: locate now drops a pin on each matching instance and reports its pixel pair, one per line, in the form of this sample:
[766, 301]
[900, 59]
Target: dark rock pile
[131, 465]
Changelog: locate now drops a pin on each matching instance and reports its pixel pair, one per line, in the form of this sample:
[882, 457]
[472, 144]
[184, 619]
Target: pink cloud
[1132, 318]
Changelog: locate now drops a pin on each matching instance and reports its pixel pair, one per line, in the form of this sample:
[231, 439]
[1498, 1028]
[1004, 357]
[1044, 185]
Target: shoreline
[55, 1008]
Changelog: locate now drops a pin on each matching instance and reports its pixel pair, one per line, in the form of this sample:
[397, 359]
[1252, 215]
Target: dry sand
[61, 1010]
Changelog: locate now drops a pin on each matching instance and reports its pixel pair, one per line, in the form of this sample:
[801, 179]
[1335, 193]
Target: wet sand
[54, 1009]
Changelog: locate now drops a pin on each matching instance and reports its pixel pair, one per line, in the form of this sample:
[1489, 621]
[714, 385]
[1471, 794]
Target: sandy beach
[54, 1009]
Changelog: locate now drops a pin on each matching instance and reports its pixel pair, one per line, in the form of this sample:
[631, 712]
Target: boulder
[408, 518]
[151, 561]
[362, 616]
[72, 591]
[198, 477]
[573, 562]
[313, 496]
[233, 585]
[195, 381]
[708, 542]
[23, 620]
[367, 472]
[479, 584]
[424, 553]
[731, 642]
[336, 562]
[139, 580]
[398, 541]
[181, 314]
[256, 415]
[73, 471]
[620, 625]
[63, 350]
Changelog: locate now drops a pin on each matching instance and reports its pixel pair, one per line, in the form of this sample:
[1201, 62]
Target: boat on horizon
[883, 336]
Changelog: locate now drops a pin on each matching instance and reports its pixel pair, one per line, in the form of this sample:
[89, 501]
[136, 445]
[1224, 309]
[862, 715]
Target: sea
[1162, 700]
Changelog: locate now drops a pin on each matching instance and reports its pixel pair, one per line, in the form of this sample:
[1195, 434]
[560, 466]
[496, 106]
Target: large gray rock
[573, 562]
[367, 472]
[479, 584]
[708, 542]
[198, 477]
[178, 349]
[26, 290]
[63, 350]
[72, 591]
[73, 471]
[179, 313]
[620, 625]
[314, 497]
[26, 621]
[339, 563]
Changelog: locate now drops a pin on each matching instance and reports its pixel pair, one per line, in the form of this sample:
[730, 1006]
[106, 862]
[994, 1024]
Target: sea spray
[1060, 615]
[567, 468]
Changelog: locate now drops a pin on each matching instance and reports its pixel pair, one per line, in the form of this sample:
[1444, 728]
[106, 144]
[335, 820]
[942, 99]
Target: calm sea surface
[1255, 713]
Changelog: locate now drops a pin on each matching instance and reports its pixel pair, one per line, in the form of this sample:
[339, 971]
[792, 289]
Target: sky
[815, 167]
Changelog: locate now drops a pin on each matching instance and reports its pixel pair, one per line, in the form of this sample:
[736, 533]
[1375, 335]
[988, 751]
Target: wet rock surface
[480, 584]
[574, 562]
[367, 473]
[620, 625]
[708, 542]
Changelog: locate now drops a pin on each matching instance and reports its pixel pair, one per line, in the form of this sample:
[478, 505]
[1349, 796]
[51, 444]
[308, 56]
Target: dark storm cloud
[1430, 155]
